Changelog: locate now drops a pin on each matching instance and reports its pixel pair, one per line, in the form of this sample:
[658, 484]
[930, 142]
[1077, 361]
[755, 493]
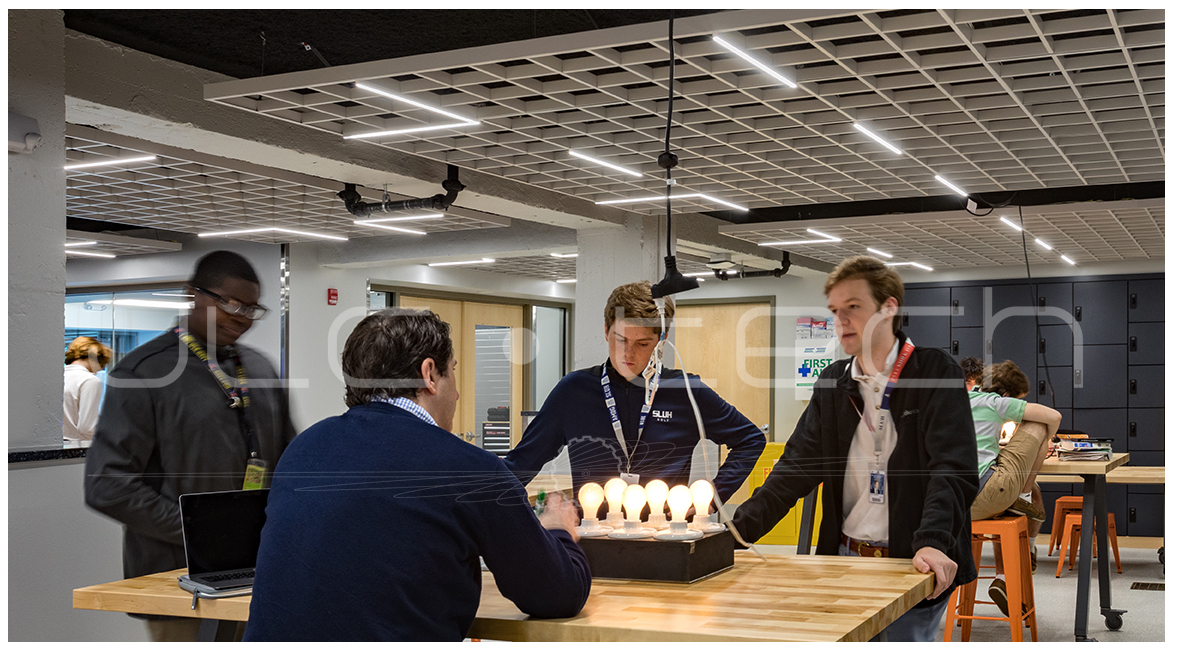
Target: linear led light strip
[751, 60]
[79, 244]
[566, 281]
[483, 260]
[879, 139]
[603, 163]
[380, 223]
[920, 266]
[1039, 241]
[143, 303]
[827, 238]
[276, 229]
[418, 104]
[417, 129]
[564, 255]
[83, 253]
[118, 161]
[681, 196]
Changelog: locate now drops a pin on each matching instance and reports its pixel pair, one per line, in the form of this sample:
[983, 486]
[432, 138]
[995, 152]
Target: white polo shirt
[865, 520]
[80, 406]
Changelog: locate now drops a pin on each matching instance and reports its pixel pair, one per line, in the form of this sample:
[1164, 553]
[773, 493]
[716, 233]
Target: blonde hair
[882, 280]
[635, 302]
[85, 347]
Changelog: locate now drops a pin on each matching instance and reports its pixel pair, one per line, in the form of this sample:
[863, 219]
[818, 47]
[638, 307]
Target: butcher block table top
[1055, 466]
[785, 598]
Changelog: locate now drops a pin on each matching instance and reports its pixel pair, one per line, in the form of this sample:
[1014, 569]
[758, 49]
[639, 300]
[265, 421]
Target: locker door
[1100, 307]
[966, 342]
[1015, 334]
[1145, 430]
[1055, 296]
[1104, 423]
[1057, 384]
[1148, 511]
[1145, 300]
[1145, 386]
[1145, 343]
[927, 320]
[968, 301]
[1055, 346]
[1102, 381]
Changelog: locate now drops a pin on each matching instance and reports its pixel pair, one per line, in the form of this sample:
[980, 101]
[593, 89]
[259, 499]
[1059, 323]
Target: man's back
[374, 526]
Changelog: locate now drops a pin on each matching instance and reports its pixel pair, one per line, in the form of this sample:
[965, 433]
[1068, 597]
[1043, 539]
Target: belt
[863, 549]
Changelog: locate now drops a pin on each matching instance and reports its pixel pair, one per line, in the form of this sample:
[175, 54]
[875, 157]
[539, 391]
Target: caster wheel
[1114, 622]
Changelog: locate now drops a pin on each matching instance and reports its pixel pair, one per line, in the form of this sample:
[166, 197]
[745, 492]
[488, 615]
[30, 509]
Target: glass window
[123, 320]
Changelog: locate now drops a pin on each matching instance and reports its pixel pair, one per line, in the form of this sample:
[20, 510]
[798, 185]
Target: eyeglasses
[231, 306]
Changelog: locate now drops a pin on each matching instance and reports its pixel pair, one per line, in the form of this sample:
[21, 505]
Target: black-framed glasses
[231, 306]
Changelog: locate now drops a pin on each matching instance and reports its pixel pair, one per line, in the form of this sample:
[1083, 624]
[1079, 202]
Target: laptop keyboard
[230, 576]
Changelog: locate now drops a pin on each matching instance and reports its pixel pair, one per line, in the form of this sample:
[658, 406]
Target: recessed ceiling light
[799, 243]
[1011, 224]
[879, 139]
[1043, 244]
[483, 260]
[879, 252]
[922, 266]
[949, 185]
[418, 104]
[417, 129]
[564, 255]
[565, 281]
[83, 253]
[1068, 260]
[825, 236]
[79, 244]
[751, 60]
[603, 163]
[274, 229]
[118, 161]
[405, 230]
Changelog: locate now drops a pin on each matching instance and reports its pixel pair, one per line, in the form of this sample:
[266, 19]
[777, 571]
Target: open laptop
[221, 530]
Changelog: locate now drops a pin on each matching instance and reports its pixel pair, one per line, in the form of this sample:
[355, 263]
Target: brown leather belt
[863, 549]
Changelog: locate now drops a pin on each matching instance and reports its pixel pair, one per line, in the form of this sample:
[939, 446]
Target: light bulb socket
[678, 527]
[657, 521]
[632, 526]
[589, 523]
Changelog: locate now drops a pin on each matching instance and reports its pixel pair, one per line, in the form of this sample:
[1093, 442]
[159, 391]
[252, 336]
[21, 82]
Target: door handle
[1134, 302]
[954, 309]
[1132, 430]
[1078, 313]
[1040, 302]
[1041, 346]
[469, 436]
[1131, 387]
[1078, 377]
[765, 429]
[1040, 387]
[954, 345]
[989, 346]
[1131, 343]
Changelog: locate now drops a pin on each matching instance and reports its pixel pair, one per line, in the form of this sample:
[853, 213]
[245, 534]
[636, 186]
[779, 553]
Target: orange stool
[1070, 535]
[1064, 506]
[1012, 532]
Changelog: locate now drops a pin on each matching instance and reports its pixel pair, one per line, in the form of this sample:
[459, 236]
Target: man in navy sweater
[578, 414]
[376, 518]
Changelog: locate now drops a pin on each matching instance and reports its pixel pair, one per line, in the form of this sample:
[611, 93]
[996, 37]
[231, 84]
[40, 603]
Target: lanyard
[611, 404]
[236, 392]
[879, 429]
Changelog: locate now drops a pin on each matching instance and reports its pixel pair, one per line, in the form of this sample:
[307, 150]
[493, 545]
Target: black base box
[655, 560]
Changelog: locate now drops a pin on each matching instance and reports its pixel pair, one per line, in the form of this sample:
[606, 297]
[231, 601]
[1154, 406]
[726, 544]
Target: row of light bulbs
[634, 497]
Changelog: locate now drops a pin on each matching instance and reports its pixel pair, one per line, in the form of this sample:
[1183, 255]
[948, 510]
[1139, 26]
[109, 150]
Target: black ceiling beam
[1028, 198]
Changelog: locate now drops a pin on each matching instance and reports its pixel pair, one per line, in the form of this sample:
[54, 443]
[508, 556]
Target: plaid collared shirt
[409, 406]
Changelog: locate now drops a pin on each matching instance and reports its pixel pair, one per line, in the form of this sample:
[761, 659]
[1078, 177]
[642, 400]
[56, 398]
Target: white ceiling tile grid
[546, 267]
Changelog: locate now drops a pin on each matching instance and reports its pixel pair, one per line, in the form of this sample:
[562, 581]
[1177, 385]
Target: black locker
[1056, 383]
[1145, 300]
[966, 342]
[1104, 423]
[1145, 430]
[927, 317]
[1145, 386]
[1116, 504]
[1101, 382]
[968, 301]
[1015, 335]
[1145, 343]
[1100, 307]
[1146, 459]
[1053, 297]
[1055, 346]
[1148, 511]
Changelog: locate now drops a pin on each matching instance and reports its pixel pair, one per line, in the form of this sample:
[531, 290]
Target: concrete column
[608, 258]
[36, 231]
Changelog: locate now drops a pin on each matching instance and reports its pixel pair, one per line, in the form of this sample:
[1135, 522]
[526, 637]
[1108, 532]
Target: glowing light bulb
[591, 496]
[679, 500]
[614, 491]
[656, 497]
[701, 494]
[634, 500]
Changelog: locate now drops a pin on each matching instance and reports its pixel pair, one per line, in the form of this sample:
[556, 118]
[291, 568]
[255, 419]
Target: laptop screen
[221, 529]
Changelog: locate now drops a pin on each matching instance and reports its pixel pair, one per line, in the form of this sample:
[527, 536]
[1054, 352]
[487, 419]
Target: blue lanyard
[611, 404]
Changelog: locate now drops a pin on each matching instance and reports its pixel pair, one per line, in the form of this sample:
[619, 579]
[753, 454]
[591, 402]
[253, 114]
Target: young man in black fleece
[897, 460]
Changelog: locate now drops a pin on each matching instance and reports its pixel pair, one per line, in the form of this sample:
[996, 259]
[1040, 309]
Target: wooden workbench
[1120, 475]
[786, 598]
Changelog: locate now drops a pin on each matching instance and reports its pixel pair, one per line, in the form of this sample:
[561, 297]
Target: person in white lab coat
[82, 391]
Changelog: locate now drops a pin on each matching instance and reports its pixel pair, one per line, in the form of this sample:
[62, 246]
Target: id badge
[256, 470]
[631, 478]
[876, 484]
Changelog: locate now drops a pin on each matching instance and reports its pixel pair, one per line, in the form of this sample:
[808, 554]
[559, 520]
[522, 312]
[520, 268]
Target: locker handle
[1078, 313]
[1041, 346]
[1132, 430]
[1131, 343]
[954, 308]
[1078, 377]
[904, 318]
[1132, 387]
[1040, 302]
[1134, 302]
[954, 345]
[1041, 387]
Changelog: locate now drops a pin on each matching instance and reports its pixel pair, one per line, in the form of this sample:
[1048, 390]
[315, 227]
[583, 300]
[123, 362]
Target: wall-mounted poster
[814, 349]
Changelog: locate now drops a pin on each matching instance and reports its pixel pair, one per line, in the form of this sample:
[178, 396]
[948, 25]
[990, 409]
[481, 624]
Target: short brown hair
[972, 369]
[84, 347]
[882, 280]
[635, 301]
[383, 354]
[1005, 379]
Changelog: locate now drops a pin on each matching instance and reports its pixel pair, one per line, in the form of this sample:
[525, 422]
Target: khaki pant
[1012, 471]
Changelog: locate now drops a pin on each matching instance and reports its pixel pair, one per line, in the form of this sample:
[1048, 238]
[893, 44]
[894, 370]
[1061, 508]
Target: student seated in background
[1008, 474]
[972, 371]
[377, 517]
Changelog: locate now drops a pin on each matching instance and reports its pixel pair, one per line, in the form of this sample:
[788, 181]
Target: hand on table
[930, 559]
[559, 514]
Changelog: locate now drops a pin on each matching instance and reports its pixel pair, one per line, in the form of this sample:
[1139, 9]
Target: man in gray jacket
[188, 411]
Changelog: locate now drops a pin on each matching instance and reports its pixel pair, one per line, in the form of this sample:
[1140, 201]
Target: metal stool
[1013, 534]
[1070, 535]
[1065, 505]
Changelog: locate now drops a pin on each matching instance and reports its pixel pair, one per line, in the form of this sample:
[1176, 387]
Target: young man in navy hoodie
[655, 442]
[377, 517]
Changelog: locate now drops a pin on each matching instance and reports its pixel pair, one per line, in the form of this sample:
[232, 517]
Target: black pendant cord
[669, 160]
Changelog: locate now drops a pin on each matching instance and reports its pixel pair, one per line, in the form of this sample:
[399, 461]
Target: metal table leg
[807, 527]
[1094, 526]
[217, 631]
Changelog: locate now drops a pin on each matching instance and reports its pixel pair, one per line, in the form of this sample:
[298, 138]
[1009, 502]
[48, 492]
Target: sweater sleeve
[543, 438]
[115, 483]
[544, 572]
[726, 425]
[793, 477]
[948, 436]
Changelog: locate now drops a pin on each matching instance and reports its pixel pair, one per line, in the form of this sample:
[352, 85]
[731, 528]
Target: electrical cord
[668, 160]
